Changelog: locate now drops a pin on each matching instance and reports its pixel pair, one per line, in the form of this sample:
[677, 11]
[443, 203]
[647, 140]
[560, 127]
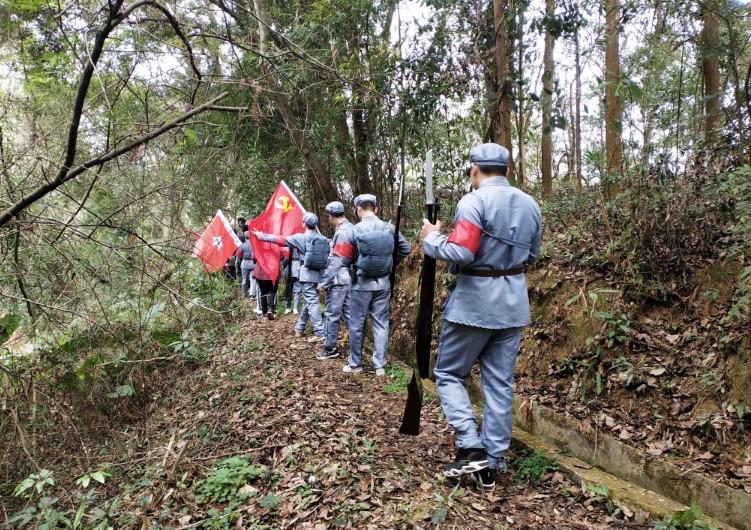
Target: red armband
[466, 234]
[344, 250]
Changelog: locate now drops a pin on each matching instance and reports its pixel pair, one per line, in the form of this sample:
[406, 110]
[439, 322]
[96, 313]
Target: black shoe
[485, 479]
[271, 316]
[327, 354]
[466, 461]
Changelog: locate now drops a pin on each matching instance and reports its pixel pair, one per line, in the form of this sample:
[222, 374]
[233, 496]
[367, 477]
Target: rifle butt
[411, 418]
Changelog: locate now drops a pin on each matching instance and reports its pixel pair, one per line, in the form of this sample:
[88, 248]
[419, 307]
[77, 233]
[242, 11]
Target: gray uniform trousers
[337, 308]
[296, 294]
[247, 282]
[375, 303]
[310, 309]
[460, 346]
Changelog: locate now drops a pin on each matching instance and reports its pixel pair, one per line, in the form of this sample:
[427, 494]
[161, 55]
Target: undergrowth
[225, 481]
[107, 370]
[398, 379]
[689, 519]
[534, 466]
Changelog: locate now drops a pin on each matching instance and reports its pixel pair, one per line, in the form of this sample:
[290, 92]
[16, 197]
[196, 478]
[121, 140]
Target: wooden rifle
[424, 321]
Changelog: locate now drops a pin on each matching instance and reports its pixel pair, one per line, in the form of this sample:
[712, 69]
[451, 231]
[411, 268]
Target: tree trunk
[571, 149]
[578, 118]
[503, 108]
[360, 129]
[710, 65]
[282, 103]
[613, 109]
[343, 144]
[547, 104]
[730, 17]
[654, 42]
[520, 123]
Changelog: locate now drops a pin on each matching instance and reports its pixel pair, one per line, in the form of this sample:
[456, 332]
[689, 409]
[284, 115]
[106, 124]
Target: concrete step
[584, 441]
[649, 485]
[644, 503]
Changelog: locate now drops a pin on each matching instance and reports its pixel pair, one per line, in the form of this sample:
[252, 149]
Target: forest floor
[267, 436]
[694, 372]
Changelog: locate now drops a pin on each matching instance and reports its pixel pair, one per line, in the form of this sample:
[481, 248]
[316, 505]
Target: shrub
[226, 478]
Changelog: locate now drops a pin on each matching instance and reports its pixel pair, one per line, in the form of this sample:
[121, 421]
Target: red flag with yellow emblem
[283, 216]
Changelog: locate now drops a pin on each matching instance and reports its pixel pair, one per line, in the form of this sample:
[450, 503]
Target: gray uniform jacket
[295, 242]
[294, 263]
[496, 227]
[339, 268]
[245, 251]
[369, 223]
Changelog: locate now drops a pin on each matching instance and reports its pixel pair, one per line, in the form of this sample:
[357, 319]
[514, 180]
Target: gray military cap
[489, 155]
[310, 219]
[335, 208]
[365, 197]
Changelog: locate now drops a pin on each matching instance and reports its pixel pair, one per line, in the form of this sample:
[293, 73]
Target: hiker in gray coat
[314, 248]
[371, 293]
[497, 233]
[247, 265]
[337, 278]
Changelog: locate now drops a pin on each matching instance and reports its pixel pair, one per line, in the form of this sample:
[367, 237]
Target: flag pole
[293, 196]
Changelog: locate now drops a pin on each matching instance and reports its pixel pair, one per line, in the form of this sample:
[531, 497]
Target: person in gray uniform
[247, 265]
[371, 293]
[337, 278]
[497, 232]
[314, 249]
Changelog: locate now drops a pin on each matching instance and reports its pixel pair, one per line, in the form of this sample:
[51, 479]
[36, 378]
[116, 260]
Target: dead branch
[65, 176]
[67, 171]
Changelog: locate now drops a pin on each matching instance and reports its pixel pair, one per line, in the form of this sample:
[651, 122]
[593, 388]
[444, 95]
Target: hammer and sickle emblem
[283, 204]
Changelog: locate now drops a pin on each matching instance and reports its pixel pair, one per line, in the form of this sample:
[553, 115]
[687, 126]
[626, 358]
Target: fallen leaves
[659, 447]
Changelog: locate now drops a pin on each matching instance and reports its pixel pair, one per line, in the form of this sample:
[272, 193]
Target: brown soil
[676, 387]
[330, 442]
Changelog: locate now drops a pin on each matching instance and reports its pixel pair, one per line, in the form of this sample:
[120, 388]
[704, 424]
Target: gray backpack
[375, 251]
[316, 252]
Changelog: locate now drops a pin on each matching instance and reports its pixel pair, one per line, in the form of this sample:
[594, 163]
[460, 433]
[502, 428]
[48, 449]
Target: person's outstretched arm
[404, 248]
[461, 245]
[534, 252]
[271, 238]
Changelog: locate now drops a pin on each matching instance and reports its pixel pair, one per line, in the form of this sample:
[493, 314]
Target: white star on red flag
[217, 243]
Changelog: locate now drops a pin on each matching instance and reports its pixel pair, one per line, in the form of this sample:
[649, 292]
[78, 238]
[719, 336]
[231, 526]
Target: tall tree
[521, 124]
[613, 107]
[730, 17]
[577, 112]
[282, 101]
[547, 101]
[503, 108]
[710, 65]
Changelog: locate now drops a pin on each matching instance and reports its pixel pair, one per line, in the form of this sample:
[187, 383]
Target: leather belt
[492, 273]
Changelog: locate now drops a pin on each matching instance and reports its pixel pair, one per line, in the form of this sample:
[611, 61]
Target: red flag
[217, 243]
[283, 216]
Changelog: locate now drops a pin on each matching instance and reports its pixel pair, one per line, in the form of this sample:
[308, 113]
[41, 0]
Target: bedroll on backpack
[375, 251]
[316, 252]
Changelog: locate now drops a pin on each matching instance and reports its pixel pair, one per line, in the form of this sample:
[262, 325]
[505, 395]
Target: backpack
[316, 252]
[375, 251]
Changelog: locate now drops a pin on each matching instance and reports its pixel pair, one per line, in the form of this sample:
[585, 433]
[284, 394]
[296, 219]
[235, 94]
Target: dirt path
[331, 444]
[325, 450]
